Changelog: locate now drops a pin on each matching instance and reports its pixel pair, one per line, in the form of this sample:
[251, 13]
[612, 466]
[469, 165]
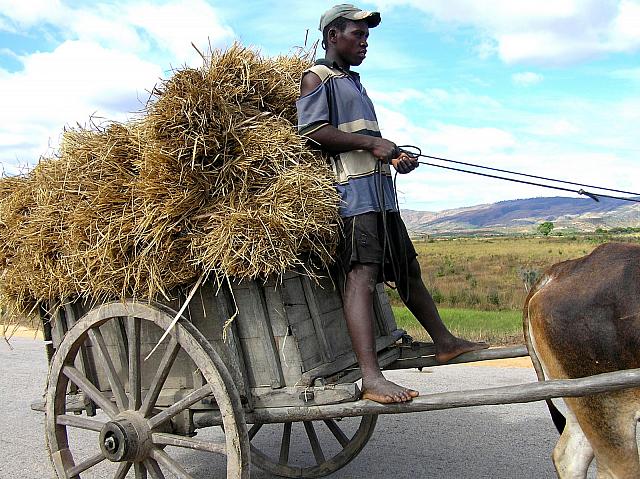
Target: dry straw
[211, 178]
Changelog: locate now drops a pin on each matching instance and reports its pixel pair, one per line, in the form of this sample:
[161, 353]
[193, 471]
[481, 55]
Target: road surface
[483, 442]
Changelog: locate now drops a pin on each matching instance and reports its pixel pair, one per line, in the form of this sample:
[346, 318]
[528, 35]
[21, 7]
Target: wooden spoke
[79, 422]
[84, 465]
[85, 364]
[133, 340]
[315, 444]
[164, 439]
[254, 430]
[285, 444]
[90, 390]
[337, 432]
[123, 470]
[154, 469]
[180, 406]
[169, 463]
[109, 368]
[160, 377]
[140, 470]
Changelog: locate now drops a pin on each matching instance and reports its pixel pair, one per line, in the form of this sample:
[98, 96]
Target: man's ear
[332, 33]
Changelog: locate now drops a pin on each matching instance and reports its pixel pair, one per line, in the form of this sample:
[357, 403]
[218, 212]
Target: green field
[495, 327]
[480, 284]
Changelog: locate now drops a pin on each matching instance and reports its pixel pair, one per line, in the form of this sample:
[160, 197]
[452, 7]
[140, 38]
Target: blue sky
[546, 88]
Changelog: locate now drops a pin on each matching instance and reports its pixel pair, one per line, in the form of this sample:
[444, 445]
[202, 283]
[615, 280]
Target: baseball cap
[349, 12]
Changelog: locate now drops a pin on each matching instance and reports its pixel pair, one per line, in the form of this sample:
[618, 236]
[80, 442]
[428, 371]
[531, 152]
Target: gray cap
[350, 13]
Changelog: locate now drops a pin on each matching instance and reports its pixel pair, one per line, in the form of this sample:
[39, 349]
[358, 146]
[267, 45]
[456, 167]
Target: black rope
[379, 175]
[418, 153]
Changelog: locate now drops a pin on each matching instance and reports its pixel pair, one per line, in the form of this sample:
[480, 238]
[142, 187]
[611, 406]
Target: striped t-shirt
[341, 100]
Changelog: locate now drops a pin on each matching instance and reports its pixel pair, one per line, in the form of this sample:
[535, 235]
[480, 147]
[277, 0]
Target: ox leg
[573, 453]
[615, 446]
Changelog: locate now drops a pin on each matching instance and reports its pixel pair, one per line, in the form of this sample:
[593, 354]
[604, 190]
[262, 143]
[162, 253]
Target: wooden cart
[285, 361]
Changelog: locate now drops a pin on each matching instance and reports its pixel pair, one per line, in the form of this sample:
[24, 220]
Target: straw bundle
[211, 178]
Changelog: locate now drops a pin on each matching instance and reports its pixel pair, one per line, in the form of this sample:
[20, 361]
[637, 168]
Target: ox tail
[557, 417]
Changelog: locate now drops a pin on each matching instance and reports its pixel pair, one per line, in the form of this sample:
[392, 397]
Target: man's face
[351, 44]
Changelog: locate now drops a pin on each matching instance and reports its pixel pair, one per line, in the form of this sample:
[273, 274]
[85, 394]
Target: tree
[545, 228]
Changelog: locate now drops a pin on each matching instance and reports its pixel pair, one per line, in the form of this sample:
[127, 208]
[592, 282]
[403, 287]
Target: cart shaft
[522, 393]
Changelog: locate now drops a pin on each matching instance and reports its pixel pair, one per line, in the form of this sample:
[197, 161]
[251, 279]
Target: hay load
[210, 178]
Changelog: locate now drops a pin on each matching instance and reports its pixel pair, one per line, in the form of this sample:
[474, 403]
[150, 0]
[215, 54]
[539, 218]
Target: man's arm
[334, 140]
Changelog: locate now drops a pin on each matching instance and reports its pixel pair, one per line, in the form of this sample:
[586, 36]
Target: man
[335, 112]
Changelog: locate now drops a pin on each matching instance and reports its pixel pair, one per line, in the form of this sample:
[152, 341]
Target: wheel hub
[127, 438]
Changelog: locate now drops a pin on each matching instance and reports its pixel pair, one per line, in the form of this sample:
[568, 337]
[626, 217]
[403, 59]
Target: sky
[548, 88]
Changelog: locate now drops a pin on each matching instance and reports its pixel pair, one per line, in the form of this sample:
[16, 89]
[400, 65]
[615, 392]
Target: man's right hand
[383, 149]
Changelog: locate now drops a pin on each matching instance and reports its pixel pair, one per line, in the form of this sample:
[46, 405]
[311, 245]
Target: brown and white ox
[583, 318]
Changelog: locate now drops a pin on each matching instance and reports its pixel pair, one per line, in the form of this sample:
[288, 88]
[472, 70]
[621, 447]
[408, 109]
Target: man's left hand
[405, 163]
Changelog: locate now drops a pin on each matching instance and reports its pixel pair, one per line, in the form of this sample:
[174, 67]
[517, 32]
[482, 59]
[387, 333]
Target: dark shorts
[363, 241]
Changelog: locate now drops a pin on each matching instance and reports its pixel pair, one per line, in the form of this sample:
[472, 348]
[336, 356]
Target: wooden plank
[46, 332]
[296, 313]
[296, 396]
[262, 319]
[226, 309]
[292, 292]
[352, 374]
[86, 362]
[341, 363]
[276, 310]
[258, 370]
[326, 351]
[384, 312]
[511, 394]
[249, 310]
[425, 360]
[304, 330]
[327, 295]
[336, 332]
[59, 326]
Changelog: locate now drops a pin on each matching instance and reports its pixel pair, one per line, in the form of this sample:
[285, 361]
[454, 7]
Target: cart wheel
[341, 439]
[143, 427]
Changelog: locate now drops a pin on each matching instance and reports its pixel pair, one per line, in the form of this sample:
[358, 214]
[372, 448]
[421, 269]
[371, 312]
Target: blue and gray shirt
[341, 100]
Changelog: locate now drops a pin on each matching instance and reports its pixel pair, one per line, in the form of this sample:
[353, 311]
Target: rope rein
[415, 151]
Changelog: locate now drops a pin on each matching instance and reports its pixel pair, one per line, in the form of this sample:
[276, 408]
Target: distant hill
[522, 216]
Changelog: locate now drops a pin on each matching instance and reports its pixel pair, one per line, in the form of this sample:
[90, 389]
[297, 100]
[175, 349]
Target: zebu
[583, 318]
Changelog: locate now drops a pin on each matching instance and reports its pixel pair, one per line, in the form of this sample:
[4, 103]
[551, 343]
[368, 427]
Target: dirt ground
[20, 332]
[505, 363]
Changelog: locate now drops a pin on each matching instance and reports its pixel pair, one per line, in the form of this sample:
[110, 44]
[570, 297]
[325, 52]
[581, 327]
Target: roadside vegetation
[480, 283]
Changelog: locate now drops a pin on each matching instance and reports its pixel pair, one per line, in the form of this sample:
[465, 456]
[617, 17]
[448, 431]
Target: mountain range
[523, 216]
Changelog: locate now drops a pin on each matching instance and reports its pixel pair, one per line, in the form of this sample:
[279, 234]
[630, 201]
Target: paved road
[483, 442]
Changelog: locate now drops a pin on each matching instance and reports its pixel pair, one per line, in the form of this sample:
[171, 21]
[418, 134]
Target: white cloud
[63, 87]
[139, 27]
[526, 78]
[176, 25]
[108, 56]
[20, 14]
[627, 74]
[558, 32]
[553, 127]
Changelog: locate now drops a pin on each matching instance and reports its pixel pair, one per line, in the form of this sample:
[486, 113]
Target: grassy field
[480, 284]
[495, 327]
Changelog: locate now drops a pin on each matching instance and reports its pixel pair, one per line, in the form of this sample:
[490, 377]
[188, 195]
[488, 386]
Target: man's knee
[363, 275]
[414, 270]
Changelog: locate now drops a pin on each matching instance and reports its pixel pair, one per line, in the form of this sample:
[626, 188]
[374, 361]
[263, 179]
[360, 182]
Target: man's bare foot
[385, 392]
[447, 350]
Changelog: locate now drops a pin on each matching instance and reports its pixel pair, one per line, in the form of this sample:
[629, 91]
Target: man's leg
[421, 304]
[358, 310]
